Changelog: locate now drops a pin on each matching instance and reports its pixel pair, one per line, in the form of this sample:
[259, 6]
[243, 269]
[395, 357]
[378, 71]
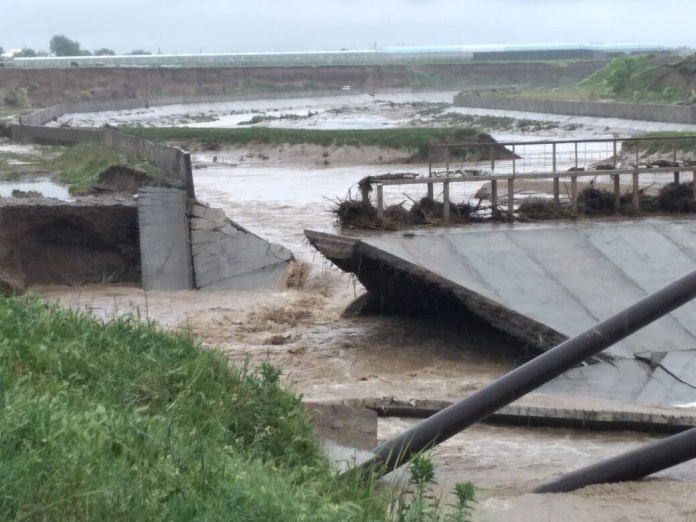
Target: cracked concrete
[542, 284]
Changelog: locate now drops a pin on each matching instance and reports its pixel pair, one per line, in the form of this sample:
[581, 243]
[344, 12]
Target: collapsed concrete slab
[542, 285]
[226, 256]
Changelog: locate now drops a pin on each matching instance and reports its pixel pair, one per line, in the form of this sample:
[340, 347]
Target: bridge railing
[560, 160]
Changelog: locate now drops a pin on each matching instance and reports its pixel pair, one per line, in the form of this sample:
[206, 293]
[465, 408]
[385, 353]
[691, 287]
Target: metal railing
[522, 160]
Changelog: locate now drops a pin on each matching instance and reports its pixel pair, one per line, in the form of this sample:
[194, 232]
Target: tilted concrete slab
[546, 283]
[226, 256]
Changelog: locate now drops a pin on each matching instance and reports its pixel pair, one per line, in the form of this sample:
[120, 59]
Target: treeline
[61, 45]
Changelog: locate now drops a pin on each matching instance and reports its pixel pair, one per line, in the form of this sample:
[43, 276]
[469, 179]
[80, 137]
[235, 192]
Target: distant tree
[26, 52]
[61, 45]
[139, 51]
[104, 52]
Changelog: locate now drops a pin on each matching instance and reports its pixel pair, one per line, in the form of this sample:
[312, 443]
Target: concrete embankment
[678, 114]
[183, 244]
[43, 88]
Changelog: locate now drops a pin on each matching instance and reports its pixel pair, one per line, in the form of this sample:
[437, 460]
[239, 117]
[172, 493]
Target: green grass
[80, 165]
[655, 142]
[413, 139]
[642, 79]
[124, 421]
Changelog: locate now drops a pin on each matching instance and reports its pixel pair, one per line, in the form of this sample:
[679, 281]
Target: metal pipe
[530, 376]
[632, 465]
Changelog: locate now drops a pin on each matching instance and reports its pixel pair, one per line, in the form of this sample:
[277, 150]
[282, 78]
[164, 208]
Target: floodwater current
[327, 356]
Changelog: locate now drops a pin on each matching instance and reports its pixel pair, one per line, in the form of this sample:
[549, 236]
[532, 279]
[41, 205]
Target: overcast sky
[180, 26]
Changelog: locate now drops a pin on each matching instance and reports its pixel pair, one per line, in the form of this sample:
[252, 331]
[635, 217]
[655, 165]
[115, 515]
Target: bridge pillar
[494, 196]
[380, 201]
[636, 195]
[574, 193]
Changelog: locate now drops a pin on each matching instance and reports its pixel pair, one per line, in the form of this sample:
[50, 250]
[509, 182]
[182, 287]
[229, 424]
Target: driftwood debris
[365, 184]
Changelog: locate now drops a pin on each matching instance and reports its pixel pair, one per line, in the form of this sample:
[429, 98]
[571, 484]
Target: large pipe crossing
[530, 376]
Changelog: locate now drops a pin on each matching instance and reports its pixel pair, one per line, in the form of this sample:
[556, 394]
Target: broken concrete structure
[164, 239]
[543, 284]
[226, 256]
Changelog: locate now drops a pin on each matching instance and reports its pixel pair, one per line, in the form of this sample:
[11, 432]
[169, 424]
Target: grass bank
[662, 143]
[80, 165]
[124, 421]
[414, 139]
[639, 79]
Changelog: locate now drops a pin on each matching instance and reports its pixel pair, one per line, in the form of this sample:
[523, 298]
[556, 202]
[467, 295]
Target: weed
[418, 503]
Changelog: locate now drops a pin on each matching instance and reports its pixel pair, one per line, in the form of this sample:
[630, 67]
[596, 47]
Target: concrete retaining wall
[228, 257]
[174, 161]
[628, 111]
[54, 136]
[164, 239]
[43, 116]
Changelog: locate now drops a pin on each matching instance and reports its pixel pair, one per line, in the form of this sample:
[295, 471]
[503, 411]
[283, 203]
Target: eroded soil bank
[47, 241]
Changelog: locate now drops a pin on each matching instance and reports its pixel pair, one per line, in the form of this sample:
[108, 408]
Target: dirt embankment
[52, 242]
[43, 88]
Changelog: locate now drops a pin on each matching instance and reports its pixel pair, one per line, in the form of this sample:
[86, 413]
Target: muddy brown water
[326, 356]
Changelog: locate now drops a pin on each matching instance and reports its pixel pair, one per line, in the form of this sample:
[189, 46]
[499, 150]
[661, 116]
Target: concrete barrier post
[494, 196]
[617, 192]
[574, 192]
[636, 195]
[511, 198]
[380, 201]
[445, 203]
[431, 192]
[447, 161]
[556, 190]
[165, 246]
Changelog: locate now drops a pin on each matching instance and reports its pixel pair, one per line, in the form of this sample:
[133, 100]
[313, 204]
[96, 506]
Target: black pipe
[530, 376]
[633, 465]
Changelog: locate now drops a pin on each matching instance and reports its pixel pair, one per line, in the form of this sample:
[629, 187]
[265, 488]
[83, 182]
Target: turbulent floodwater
[325, 355]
